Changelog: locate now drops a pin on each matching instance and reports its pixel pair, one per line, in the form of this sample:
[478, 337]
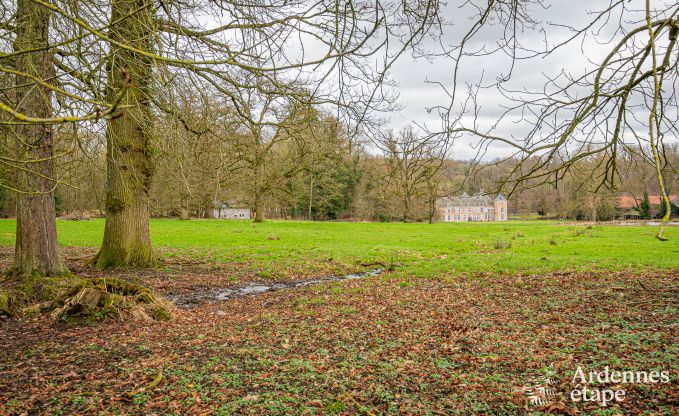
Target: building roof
[628, 201]
[230, 204]
[478, 200]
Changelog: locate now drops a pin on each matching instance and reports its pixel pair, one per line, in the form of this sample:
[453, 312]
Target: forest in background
[312, 169]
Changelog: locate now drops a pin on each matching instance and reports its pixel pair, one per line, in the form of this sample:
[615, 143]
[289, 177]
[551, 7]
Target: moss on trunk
[36, 232]
[68, 296]
[4, 304]
[127, 241]
[111, 297]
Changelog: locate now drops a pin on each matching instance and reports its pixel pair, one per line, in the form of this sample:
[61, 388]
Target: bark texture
[36, 248]
[127, 241]
[259, 209]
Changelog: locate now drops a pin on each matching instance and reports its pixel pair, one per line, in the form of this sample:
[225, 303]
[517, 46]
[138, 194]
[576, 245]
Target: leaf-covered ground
[388, 344]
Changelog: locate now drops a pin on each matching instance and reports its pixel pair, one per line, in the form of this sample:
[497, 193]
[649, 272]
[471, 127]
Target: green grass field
[469, 316]
[282, 247]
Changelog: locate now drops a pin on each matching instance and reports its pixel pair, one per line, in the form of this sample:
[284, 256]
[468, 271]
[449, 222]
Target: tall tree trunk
[258, 186]
[311, 196]
[127, 241]
[259, 210]
[432, 209]
[406, 206]
[36, 233]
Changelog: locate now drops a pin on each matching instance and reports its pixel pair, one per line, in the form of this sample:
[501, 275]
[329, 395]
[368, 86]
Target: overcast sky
[419, 80]
[416, 94]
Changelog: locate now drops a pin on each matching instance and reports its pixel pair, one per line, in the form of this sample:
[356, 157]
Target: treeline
[309, 168]
[131, 109]
[581, 190]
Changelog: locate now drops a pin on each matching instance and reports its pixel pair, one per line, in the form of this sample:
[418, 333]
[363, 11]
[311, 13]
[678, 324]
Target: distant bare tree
[413, 162]
[625, 103]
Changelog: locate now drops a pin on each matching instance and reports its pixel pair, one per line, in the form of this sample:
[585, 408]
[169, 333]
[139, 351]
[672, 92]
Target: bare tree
[36, 237]
[127, 239]
[271, 142]
[413, 162]
[625, 102]
[248, 45]
[28, 107]
[197, 154]
[144, 47]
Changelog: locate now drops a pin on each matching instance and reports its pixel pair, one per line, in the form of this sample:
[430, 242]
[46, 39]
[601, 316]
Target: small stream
[200, 296]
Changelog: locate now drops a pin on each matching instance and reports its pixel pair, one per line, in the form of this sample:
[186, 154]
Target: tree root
[69, 296]
[111, 297]
[17, 291]
[5, 309]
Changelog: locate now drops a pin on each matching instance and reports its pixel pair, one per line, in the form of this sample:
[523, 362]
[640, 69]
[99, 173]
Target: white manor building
[226, 211]
[474, 208]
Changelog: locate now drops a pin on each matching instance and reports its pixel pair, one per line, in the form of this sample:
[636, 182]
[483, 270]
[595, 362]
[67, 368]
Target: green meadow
[466, 317]
[283, 247]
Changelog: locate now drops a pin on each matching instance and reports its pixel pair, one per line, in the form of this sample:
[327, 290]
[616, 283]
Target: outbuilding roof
[628, 201]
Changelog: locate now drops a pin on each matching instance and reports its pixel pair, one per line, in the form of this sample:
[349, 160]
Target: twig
[642, 285]
[156, 380]
[360, 406]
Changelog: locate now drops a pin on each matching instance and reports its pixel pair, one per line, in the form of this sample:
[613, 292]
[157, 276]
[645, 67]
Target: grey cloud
[416, 95]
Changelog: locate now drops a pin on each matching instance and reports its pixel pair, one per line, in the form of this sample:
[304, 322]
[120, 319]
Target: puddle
[201, 296]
